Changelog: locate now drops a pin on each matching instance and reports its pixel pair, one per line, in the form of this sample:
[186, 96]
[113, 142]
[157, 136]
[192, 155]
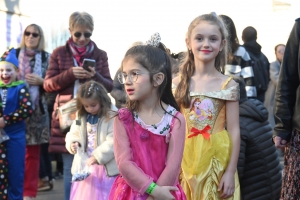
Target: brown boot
[45, 184]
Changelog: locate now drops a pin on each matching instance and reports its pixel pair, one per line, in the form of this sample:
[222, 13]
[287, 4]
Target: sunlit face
[279, 53]
[91, 106]
[81, 35]
[140, 88]
[8, 73]
[205, 42]
[32, 37]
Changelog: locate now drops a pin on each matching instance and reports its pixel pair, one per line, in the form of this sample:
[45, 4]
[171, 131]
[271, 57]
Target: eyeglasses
[86, 34]
[35, 35]
[133, 76]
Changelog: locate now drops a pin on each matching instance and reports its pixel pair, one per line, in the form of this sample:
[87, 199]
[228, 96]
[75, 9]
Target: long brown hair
[232, 36]
[95, 91]
[188, 68]
[154, 60]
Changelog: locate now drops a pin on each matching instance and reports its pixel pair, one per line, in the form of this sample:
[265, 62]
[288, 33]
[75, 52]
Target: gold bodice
[209, 109]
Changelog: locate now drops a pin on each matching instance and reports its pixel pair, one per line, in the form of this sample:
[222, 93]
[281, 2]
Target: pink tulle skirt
[95, 187]
[122, 191]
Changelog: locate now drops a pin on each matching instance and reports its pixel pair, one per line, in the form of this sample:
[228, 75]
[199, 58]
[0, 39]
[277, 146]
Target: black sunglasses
[86, 34]
[27, 33]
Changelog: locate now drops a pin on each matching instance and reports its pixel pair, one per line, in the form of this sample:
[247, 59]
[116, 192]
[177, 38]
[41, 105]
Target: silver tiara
[154, 40]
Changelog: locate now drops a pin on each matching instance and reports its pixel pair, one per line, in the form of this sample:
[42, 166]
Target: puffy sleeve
[57, 80]
[134, 176]
[232, 93]
[169, 176]
[72, 136]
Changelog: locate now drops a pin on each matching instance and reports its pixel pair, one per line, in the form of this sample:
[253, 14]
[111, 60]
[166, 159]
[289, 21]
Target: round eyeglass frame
[121, 77]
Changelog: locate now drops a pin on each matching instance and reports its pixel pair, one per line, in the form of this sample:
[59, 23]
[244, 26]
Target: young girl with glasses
[148, 134]
[92, 131]
[213, 133]
[66, 74]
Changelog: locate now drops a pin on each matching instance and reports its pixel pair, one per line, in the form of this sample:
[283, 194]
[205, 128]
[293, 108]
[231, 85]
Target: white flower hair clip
[91, 88]
[154, 40]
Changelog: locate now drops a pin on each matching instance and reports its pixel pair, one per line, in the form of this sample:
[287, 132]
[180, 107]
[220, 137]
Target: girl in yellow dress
[213, 139]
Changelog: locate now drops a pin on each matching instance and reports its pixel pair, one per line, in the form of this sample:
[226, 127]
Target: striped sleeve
[240, 65]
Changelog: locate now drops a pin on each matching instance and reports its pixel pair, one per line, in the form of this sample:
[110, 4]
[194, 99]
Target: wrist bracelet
[151, 187]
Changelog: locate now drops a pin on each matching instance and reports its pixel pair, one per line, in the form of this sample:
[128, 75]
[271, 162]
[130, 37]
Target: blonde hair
[81, 19]
[188, 67]
[41, 45]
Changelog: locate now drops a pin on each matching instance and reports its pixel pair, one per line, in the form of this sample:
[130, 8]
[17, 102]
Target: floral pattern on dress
[162, 127]
[291, 176]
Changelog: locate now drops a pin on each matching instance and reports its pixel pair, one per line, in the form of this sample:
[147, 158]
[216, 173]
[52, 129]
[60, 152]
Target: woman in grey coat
[274, 74]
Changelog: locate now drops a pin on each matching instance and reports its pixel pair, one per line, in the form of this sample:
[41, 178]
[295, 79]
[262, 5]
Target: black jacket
[261, 66]
[287, 99]
[258, 165]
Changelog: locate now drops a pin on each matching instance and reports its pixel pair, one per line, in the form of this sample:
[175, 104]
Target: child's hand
[227, 185]
[91, 161]
[2, 123]
[163, 192]
[74, 146]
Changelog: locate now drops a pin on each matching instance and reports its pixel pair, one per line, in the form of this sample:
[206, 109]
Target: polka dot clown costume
[15, 107]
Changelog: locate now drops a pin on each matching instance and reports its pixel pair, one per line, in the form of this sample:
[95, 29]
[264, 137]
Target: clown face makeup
[8, 73]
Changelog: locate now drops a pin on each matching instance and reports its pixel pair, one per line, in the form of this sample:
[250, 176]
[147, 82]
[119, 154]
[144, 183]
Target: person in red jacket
[65, 74]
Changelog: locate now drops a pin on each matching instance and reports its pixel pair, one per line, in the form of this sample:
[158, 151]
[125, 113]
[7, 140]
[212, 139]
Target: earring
[190, 51]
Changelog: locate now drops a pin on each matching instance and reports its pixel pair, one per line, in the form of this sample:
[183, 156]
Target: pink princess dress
[97, 185]
[143, 155]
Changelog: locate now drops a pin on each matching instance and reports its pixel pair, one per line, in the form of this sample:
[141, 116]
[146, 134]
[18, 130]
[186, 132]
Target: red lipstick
[130, 91]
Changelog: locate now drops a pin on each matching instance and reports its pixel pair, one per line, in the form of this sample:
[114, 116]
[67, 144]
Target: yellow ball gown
[208, 145]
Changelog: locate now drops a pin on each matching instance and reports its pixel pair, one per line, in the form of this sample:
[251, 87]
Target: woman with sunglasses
[33, 64]
[66, 74]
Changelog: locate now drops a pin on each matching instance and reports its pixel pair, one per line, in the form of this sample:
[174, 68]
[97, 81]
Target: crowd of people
[200, 124]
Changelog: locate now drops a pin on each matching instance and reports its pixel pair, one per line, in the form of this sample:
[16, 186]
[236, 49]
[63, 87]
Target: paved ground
[57, 193]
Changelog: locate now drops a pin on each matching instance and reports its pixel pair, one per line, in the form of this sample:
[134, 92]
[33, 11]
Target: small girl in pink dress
[149, 134]
[93, 132]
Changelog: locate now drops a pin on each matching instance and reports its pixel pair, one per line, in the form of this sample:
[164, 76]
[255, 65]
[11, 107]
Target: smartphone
[88, 63]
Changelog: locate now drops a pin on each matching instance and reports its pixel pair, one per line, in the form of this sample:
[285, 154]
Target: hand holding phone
[88, 63]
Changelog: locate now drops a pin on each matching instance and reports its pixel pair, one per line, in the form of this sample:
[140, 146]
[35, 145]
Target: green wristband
[151, 187]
